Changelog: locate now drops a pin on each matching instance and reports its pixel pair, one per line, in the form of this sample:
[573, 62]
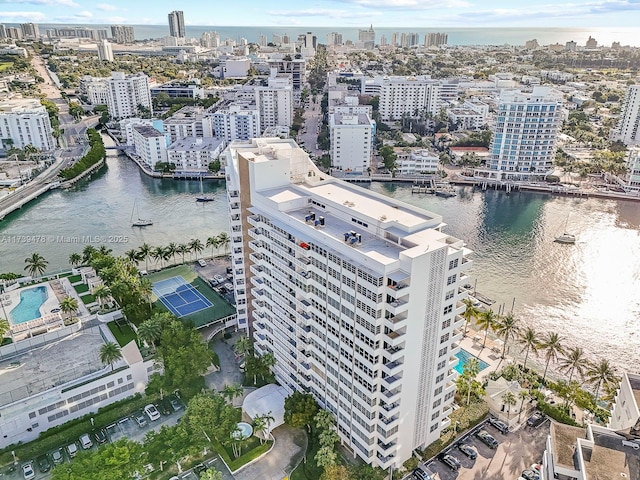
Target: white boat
[140, 222]
[566, 238]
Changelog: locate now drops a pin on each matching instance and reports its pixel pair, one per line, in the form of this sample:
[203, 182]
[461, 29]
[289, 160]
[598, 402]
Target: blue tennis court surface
[180, 297]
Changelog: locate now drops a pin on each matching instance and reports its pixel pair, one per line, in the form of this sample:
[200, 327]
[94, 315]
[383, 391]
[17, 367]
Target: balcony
[255, 244]
[389, 409]
[391, 382]
[255, 257]
[257, 282]
[396, 322]
[394, 353]
[254, 220]
[455, 348]
[256, 269]
[386, 449]
[396, 307]
[257, 304]
[390, 396]
[392, 368]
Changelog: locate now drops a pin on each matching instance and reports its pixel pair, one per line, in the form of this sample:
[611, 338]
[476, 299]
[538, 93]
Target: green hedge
[558, 414]
[96, 153]
[70, 431]
[243, 459]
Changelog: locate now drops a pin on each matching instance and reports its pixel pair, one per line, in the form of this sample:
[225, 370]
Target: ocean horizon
[456, 36]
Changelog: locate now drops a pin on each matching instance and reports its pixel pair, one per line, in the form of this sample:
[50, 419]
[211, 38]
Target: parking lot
[516, 452]
[218, 274]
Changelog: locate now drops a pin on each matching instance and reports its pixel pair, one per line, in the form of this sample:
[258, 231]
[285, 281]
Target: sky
[332, 13]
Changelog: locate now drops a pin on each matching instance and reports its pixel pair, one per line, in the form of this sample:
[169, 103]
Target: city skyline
[347, 13]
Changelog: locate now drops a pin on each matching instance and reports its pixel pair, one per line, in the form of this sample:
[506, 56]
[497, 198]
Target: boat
[444, 190]
[567, 238]
[202, 197]
[140, 222]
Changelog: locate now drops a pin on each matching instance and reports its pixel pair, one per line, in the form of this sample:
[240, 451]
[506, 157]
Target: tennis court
[180, 297]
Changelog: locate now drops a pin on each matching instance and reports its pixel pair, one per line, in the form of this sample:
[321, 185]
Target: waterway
[588, 292]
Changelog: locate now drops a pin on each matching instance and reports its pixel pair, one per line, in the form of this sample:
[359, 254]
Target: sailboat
[202, 197]
[565, 237]
[140, 222]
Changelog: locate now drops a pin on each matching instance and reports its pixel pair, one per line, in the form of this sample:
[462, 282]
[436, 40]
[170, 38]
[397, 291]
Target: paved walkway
[229, 373]
[287, 452]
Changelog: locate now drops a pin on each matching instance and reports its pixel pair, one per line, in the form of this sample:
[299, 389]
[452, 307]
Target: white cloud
[63, 3]
[16, 17]
[84, 14]
[313, 12]
[410, 4]
[106, 7]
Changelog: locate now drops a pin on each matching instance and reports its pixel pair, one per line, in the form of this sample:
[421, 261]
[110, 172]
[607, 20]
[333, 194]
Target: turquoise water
[31, 300]
[464, 357]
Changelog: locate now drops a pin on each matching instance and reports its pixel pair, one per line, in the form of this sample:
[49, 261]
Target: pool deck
[45, 309]
[491, 353]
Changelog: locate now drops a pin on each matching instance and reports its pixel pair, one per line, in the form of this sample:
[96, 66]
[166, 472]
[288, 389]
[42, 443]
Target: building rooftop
[55, 363]
[609, 459]
[147, 131]
[564, 441]
[351, 119]
[21, 105]
[196, 144]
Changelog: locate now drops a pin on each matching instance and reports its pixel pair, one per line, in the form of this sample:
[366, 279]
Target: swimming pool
[31, 299]
[463, 357]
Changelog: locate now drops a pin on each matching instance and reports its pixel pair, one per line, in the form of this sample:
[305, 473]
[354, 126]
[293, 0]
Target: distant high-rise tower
[367, 37]
[176, 24]
[30, 30]
[105, 52]
[122, 34]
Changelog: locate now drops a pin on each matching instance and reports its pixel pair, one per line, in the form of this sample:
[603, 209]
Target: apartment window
[452, 279]
[448, 309]
[439, 378]
[435, 415]
[433, 427]
[446, 324]
[444, 338]
[453, 264]
[437, 391]
[441, 364]
[449, 295]
[437, 403]
[443, 351]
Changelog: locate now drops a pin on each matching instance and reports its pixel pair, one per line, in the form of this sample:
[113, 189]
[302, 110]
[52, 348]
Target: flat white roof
[266, 400]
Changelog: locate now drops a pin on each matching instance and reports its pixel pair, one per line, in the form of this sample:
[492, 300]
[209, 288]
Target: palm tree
[87, 254]
[509, 400]
[145, 288]
[182, 249]
[573, 362]
[69, 305]
[262, 423]
[470, 312]
[242, 346]
[157, 253]
[487, 320]
[132, 256]
[232, 391]
[75, 259]
[149, 331]
[110, 353]
[143, 254]
[213, 243]
[528, 338]
[4, 328]
[224, 240]
[552, 346]
[101, 293]
[36, 264]
[524, 396]
[171, 251]
[195, 245]
[601, 373]
[507, 329]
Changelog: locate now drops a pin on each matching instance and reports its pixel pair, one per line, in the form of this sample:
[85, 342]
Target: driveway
[287, 452]
[229, 373]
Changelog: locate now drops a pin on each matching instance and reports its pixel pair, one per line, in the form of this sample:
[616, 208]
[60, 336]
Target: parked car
[228, 287]
[176, 404]
[100, 436]
[468, 450]
[165, 407]
[85, 441]
[200, 468]
[202, 263]
[140, 420]
[72, 449]
[530, 475]
[27, 471]
[420, 474]
[152, 412]
[487, 439]
[450, 461]
[218, 278]
[537, 419]
[57, 456]
[44, 465]
[501, 426]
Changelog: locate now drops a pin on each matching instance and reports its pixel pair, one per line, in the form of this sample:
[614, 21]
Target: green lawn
[251, 449]
[5, 65]
[82, 288]
[220, 309]
[124, 334]
[87, 299]
[75, 278]
[309, 470]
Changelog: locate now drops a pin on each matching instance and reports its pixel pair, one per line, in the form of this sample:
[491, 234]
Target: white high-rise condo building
[237, 122]
[150, 145]
[351, 140]
[105, 51]
[125, 93]
[367, 37]
[176, 24]
[24, 121]
[525, 133]
[627, 130]
[275, 102]
[122, 34]
[407, 95]
[356, 294]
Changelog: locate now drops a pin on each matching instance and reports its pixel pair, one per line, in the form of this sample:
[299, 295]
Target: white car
[218, 278]
[202, 263]
[152, 412]
[72, 449]
[27, 471]
[86, 442]
[228, 287]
